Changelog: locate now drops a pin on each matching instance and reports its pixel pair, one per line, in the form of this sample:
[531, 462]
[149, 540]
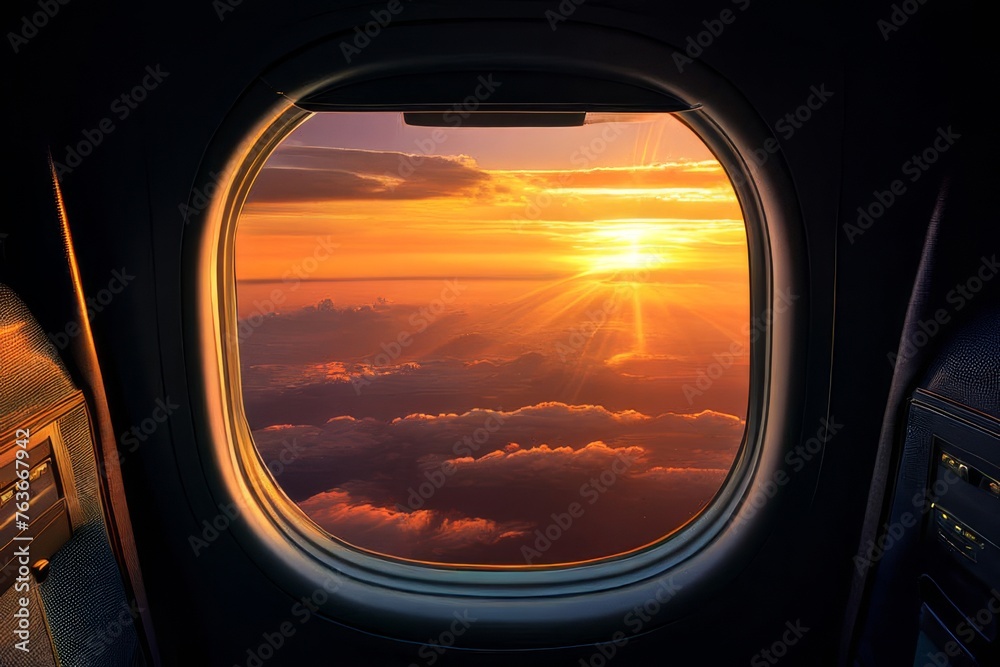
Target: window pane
[495, 345]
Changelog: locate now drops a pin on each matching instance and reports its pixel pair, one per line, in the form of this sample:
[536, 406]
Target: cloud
[542, 464]
[472, 487]
[557, 423]
[487, 513]
[666, 474]
[417, 534]
[692, 176]
[313, 173]
[552, 445]
[280, 395]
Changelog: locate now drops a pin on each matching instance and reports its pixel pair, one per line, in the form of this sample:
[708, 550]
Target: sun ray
[640, 329]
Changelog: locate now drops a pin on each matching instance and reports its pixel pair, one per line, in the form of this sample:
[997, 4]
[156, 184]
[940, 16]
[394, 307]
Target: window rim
[768, 204]
[320, 538]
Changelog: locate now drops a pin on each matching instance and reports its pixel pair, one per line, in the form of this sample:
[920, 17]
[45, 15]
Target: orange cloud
[313, 173]
[402, 533]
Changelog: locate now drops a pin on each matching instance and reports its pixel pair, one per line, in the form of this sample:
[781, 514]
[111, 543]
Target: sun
[624, 249]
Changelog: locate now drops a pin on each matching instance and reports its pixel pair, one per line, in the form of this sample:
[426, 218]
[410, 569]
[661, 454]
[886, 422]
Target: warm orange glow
[387, 275]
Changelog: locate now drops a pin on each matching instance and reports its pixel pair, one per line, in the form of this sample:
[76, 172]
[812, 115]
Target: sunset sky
[550, 291]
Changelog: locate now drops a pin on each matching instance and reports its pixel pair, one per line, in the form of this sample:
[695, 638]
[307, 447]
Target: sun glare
[632, 249]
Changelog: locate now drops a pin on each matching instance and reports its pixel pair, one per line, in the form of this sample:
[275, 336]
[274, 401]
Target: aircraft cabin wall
[145, 109]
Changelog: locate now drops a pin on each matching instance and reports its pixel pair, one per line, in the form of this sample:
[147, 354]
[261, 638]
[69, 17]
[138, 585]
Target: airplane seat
[959, 561]
[968, 370]
[936, 591]
[62, 597]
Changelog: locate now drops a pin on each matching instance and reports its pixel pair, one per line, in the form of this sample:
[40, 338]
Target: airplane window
[494, 346]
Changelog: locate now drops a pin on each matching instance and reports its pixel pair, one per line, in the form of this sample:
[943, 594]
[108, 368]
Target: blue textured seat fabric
[968, 368]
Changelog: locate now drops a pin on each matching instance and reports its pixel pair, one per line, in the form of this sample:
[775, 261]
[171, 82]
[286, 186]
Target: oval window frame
[566, 604]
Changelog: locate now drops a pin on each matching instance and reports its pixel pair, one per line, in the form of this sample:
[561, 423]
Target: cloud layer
[312, 173]
[473, 487]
